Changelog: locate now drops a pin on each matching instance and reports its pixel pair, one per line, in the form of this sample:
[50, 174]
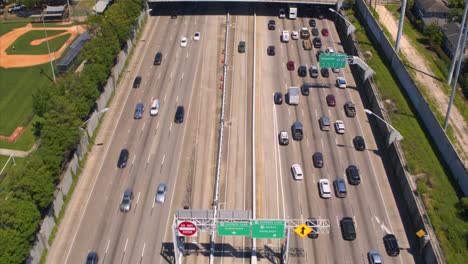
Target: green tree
[434, 34]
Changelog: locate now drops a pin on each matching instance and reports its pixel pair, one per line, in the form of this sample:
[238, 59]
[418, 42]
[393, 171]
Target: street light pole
[48, 48]
[351, 28]
[400, 25]
[98, 113]
[394, 134]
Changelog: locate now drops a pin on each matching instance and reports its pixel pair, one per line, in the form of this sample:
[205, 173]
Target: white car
[294, 35]
[325, 190]
[336, 70]
[285, 36]
[16, 7]
[154, 107]
[183, 42]
[161, 193]
[297, 172]
[330, 50]
[196, 36]
[339, 127]
[341, 82]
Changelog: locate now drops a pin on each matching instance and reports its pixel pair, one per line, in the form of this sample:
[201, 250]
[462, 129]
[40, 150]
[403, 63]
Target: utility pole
[455, 53]
[48, 48]
[400, 25]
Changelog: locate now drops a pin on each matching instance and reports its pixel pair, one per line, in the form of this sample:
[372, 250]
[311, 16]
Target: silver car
[374, 257]
[161, 193]
[127, 199]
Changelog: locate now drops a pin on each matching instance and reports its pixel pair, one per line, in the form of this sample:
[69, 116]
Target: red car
[331, 100]
[290, 65]
[325, 32]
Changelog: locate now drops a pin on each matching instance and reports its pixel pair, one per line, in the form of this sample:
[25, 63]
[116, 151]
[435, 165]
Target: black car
[324, 72]
[302, 71]
[179, 115]
[305, 89]
[278, 98]
[391, 245]
[139, 109]
[317, 43]
[92, 258]
[317, 55]
[137, 82]
[313, 224]
[241, 47]
[359, 143]
[352, 172]
[312, 23]
[347, 228]
[157, 58]
[315, 32]
[271, 51]
[122, 162]
[317, 158]
[271, 25]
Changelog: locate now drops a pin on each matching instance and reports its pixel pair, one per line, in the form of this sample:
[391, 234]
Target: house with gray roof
[451, 31]
[432, 12]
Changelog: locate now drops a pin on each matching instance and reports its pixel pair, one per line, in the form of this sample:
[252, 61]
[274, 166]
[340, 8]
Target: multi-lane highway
[184, 155]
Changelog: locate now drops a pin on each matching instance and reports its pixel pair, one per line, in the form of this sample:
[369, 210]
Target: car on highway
[324, 32]
[92, 258]
[331, 100]
[324, 187]
[350, 109]
[154, 109]
[341, 82]
[278, 98]
[297, 131]
[305, 33]
[330, 50]
[183, 42]
[313, 224]
[324, 123]
[317, 43]
[336, 70]
[297, 172]
[139, 109]
[374, 257]
[241, 47]
[313, 71]
[285, 36]
[391, 245]
[282, 13]
[161, 193]
[271, 50]
[317, 55]
[283, 138]
[294, 35]
[127, 198]
[157, 58]
[196, 36]
[305, 89]
[339, 127]
[179, 115]
[312, 23]
[325, 73]
[348, 231]
[359, 143]
[290, 65]
[302, 71]
[340, 188]
[317, 159]
[271, 25]
[315, 32]
[307, 44]
[137, 82]
[123, 157]
[352, 172]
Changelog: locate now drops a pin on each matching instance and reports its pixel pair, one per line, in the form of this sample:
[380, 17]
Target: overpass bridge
[305, 2]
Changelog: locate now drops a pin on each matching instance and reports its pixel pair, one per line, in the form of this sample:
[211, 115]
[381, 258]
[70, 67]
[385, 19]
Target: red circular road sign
[187, 228]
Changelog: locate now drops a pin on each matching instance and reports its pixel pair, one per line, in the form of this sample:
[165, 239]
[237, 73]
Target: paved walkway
[17, 153]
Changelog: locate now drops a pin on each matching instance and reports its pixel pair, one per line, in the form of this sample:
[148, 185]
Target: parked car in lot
[350, 109]
[317, 159]
[313, 224]
[139, 111]
[317, 43]
[137, 82]
[359, 143]
[302, 71]
[123, 157]
[324, 187]
[271, 51]
[127, 199]
[325, 73]
[278, 98]
[241, 47]
[348, 230]
[290, 65]
[391, 245]
[161, 193]
[339, 127]
[283, 138]
[297, 172]
[331, 100]
[352, 172]
[179, 115]
[341, 82]
[374, 257]
[271, 25]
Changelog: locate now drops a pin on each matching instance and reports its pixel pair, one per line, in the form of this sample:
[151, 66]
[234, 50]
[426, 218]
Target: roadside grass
[7, 27]
[26, 141]
[18, 85]
[23, 43]
[434, 183]
[438, 66]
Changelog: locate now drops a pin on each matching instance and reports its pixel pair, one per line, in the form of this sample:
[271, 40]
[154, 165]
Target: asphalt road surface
[184, 155]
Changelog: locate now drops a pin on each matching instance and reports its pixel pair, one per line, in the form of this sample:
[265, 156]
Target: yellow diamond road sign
[303, 230]
[420, 233]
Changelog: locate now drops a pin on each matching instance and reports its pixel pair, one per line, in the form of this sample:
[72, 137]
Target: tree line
[63, 107]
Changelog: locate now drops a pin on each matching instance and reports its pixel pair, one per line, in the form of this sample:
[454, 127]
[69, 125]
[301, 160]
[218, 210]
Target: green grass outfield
[22, 44]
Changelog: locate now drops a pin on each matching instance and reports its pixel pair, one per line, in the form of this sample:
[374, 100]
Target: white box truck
[292, 12]
[293, 95]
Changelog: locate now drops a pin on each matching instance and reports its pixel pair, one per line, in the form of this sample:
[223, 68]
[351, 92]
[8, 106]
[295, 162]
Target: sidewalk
[17, 153]
[432, 86]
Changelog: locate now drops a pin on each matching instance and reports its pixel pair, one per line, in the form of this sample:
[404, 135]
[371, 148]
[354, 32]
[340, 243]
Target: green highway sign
[233, 228]
[332, 60]
[268, 228]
